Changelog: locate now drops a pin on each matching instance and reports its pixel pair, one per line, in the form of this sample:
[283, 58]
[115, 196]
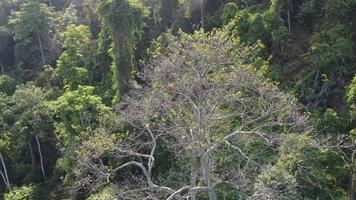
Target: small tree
[80, 112]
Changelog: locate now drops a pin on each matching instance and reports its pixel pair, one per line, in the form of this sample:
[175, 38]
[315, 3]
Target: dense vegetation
[178, 99]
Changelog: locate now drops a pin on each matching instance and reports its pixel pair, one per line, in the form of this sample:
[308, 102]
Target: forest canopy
[178, 99]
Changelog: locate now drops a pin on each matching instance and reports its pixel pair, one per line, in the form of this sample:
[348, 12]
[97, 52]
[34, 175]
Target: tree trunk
[41, 49]
[289, 21]
[2, 69]
[5, 172]
[41, 158]
[123, 63]
[202, 21]
[5, 182]
[31, 153]
[193, 177]
[206, 166]
[353, 177]
[50, 3]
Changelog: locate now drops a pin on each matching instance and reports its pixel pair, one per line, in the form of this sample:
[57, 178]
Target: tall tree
[31, 24]
[33, 132]
[123, 19]
[207, 103]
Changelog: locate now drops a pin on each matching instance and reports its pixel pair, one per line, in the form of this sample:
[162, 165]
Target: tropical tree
[207, 104]
[351, 97]
[33, 131]
[32, 25]
[79, 113]
[71, 65]
[123, 20]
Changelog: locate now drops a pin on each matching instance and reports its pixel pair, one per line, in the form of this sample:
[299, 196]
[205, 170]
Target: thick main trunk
[123, 63]
[193, 177]
[206, 166]
[41, 158]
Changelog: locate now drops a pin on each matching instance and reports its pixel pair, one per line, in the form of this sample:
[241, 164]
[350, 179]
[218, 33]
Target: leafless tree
[202, 96]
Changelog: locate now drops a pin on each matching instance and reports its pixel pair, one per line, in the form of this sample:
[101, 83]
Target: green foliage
[201, 70]
[33, 17]
[249, 27]
[309, 44]
[32, 121]
[332, 48]
[313, 166]
[21, 193]
[106, 193]
[280, 39]
[6, 111]
[28, 96]
[31, 26]
[351, 94]
[48, 79]
[71, 64]
[7, 85]
[101, 69]
[275, 183]
[229, 12]
[330, 122]
[351, 98]
[80, 112]
[124, 21]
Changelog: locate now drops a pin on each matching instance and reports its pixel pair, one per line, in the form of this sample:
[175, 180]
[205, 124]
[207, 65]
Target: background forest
[178, 99]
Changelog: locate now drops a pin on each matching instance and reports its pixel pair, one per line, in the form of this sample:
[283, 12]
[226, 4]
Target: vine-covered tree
[124, 21]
